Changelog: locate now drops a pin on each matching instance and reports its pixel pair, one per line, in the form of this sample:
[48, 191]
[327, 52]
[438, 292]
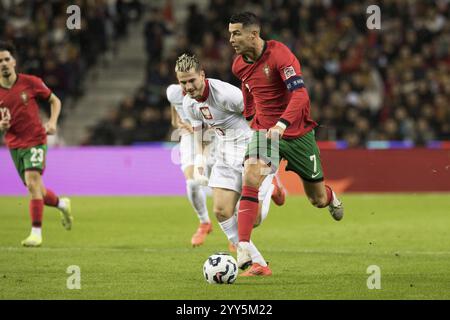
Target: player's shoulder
[278, 49]
[221, 87]
[238, 64]
[174, 94]
[29, 78]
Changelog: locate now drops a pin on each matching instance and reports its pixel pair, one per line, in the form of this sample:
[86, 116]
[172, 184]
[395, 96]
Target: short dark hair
[6, 46]
[246, 18]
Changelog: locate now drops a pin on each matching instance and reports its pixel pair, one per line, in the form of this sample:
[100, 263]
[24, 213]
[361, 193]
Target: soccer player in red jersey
[26, 138]
[277, 103]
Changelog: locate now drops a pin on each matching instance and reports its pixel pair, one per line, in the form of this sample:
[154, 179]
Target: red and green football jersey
[19, 105]
[274, 90]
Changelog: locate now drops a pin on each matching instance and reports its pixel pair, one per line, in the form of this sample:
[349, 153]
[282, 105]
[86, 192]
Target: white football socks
[197, 198]
[62, 204]
[36, 231]
[335, 202]
[254, 253]
[230, 228]
[266, 203]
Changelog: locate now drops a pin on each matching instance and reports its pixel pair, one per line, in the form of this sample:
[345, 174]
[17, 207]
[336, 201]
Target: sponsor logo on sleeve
[289, 72]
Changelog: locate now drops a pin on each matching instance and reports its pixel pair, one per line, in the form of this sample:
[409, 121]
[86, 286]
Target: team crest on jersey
[289, 72]
[206, 113]
[266, 71]
[24, 97]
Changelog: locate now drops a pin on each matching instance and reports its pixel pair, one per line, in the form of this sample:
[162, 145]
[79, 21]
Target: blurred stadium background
[381, 98]
[370, 89]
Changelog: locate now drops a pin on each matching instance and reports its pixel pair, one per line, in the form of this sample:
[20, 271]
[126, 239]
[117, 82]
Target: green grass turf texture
[139, 248]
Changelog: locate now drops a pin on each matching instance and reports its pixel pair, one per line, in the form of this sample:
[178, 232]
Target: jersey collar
[205, 95]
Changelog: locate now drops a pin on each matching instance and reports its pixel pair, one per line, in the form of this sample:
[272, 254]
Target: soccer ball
[220, 268]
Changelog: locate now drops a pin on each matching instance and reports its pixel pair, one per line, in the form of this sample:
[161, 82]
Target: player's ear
[202, 73]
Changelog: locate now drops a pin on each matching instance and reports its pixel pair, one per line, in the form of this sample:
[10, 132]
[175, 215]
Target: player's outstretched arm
[55, 110]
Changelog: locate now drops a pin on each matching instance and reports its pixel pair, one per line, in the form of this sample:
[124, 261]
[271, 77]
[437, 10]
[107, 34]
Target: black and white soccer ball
[220, 268]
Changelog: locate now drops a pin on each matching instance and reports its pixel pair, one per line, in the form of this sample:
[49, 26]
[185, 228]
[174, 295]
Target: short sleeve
[40, 89]
[289, 68]
[190, 115]
[232, 98]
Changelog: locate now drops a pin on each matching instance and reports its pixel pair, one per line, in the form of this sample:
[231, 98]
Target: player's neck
[257, 51]
[8, 82]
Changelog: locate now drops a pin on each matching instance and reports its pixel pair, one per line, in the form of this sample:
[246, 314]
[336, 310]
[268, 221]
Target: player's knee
[252, 176]
[33, 185]
[318, 201]
[221, 213]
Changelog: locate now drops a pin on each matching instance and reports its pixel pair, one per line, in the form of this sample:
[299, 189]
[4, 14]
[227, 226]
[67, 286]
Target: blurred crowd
[388, 84]
[62, 57]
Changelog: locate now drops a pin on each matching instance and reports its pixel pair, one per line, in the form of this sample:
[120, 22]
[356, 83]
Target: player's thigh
[17, 158]
[303, 157]
[226, 176]
[225, 201]
[29, 159]
[261, 159]
[263, 150]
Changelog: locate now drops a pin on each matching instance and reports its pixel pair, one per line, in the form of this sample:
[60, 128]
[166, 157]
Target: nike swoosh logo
[315, 175]
[243, 210]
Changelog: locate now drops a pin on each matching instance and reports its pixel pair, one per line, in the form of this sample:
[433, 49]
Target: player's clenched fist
[275, 132]
[4, 124]
[50, 128]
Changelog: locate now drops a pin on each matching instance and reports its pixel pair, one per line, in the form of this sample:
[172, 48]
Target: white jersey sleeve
[188, 110]
[175, 96]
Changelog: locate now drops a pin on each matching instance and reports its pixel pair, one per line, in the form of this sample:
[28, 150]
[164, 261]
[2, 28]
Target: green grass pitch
[139, 248]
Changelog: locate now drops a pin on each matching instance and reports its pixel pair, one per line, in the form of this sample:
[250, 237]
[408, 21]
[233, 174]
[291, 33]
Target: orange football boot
[257, 270]
[231, 247]
[278, 194]
[200, 235]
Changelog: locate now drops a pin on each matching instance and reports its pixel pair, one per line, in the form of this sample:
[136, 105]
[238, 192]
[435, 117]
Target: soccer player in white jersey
[195, 191]
[219, 105]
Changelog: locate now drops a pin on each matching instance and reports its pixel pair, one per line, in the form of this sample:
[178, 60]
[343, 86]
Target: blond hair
[186, 62]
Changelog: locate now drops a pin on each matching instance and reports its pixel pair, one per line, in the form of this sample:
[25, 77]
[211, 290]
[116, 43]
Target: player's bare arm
[55, 109]
[199, 162]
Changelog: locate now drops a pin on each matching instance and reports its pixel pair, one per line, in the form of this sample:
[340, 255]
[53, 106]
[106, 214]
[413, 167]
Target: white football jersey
[175, 96]
[221, 109]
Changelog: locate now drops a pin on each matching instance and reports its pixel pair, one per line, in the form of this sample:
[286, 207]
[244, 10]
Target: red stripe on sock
[329, 194]
[36, 212]
[248, 211]
[50, 199]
